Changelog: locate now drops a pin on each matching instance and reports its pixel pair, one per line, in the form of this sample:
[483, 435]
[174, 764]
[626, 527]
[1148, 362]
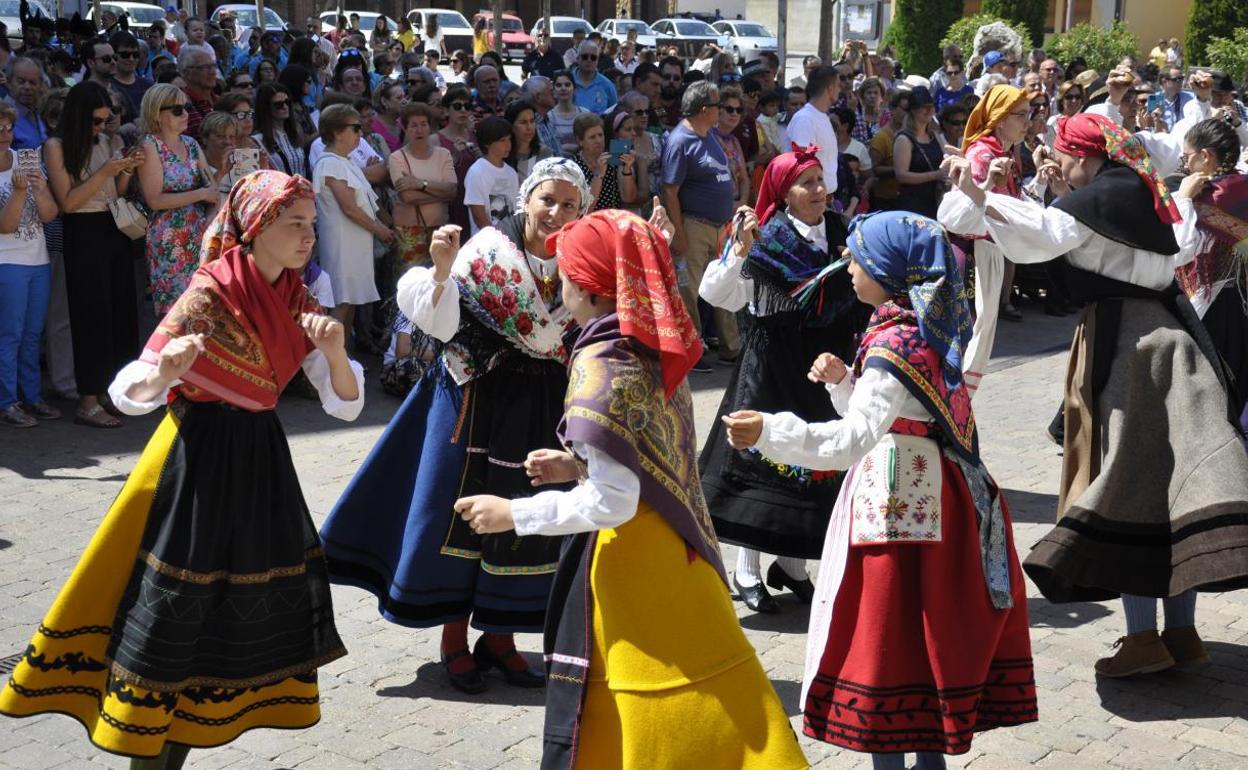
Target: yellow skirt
[67, 668]
[673, 682]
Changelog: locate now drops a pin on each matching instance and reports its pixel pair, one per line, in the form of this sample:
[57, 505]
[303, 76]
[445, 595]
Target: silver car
[618, 29]
[747, 39]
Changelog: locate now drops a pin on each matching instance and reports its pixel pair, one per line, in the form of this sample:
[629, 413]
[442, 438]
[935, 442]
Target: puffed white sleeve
[836, 445]
[1166, 149]
[722, 285]
[1029, 232]
[606, 499]
[959, 214]
[132, 374]
[415, 298]
[840, 392]
[316, 367]
[1185, 232]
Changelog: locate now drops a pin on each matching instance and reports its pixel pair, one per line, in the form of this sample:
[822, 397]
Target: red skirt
[917, 658]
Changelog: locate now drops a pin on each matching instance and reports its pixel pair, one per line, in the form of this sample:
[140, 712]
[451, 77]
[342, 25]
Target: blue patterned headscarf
[910, 256]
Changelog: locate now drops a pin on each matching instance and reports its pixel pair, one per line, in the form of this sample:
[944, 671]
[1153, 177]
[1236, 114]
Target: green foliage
[1210, 18]
[1230, 54]
[962, 32]
[1101, 48]
[916, 30]
[1029, 14]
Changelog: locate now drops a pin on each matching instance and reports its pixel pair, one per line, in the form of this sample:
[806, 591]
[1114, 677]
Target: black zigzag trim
[72, 632]
[282, 701]
[32, 692]
[126, 727]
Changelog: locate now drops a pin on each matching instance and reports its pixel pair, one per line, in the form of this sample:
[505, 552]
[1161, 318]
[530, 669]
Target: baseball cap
[171, 9]
[993, 58]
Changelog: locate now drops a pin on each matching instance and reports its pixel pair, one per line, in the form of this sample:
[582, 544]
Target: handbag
[413, 239]
[128, 217]
[897, 495]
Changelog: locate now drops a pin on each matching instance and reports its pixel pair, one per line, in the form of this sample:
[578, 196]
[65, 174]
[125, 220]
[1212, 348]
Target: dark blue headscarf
[910, 256]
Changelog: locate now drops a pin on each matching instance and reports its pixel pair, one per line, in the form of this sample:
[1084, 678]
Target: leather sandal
[470, 681]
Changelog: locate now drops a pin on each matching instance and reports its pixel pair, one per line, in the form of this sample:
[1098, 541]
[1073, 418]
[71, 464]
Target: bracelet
[626, 173]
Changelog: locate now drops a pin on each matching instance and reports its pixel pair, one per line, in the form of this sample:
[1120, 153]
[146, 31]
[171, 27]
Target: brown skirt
[1154, 495]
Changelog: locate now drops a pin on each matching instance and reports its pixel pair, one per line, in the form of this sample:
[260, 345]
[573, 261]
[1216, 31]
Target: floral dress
[173, 235]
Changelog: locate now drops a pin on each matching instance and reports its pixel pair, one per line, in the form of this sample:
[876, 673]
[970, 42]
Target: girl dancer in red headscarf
[201, 608]
[801, 304]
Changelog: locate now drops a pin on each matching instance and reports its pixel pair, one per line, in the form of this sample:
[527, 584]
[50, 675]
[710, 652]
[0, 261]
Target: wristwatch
[424, 185]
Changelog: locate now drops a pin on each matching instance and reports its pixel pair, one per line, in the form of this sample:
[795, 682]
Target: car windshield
[452, 21]
[695, 28]
[625, 26]
[13, 8]
[140, 15]
[512, 25]
[246, 17]
[567, 26]
[753, 30]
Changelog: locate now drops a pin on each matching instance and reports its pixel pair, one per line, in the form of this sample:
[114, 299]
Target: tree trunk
[827, 31]
[496, 7]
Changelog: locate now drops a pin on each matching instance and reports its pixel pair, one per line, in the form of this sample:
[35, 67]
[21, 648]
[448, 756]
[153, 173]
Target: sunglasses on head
[177, 109]
[730, 77]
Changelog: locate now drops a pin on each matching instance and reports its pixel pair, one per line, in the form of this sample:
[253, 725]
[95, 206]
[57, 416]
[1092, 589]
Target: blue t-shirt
[700, 166]
[596, 97]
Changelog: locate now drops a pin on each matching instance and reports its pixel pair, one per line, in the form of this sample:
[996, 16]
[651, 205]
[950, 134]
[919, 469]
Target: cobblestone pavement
[387, 705]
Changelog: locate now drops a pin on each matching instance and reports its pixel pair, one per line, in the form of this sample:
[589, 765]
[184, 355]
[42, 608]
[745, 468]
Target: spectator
[697, 193]
[299, 82]
[25, 82]
[223, 53]
[1070, 99]
[1174, 54]
[1033, 83]
[433, 38]
[85, 172]
[570, 59]
[480, 37]
[458, 139]
[390, 100]
[25, 282]
[172, 180]
[884, 192]
[425, 184]
[1051, 79]
[346, 211]
[843, 119]
[200, 73]
[565, 112]
[56, 333]
[953, 122]
[769, 72]
[1227, 107]
[126, 79]
[870, 113]
[955, 87]
[100, 61]
[404, 34]
[265, 72]
[747, 129]
[794, 101]
[648, 149]
[157, 44]
[383, 69]
[672, 71]
[542, 60]
[649, 83]
[811, 125]
[723, 69]
[240, 82]
[353, 82]
[594, 92]
[809, 63]
[610, 186]
[487, 104]
[491, 186]
[278, 131]
[770, 132]
[1177, 104]
[1158, 55]
[731, 111]
[238, 105]
[431, 63]
[196, 38]
[526, 148]
[537, 91]
[219, 138]
[381, 36]
[459, 67]
[626, 61]
[917, 154]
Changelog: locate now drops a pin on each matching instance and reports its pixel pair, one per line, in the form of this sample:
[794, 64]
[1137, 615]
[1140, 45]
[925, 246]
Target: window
[750, 29]
[695, 29]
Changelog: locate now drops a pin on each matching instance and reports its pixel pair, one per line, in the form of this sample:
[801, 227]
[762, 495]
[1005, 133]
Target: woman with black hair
[298, 81]
[458, 137]
[87, 170]
[303, 53]
[526, 147]
[278, 131]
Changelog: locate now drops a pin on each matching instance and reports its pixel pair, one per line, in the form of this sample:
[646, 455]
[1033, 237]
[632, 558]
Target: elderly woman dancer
[1154, 491]
[918, 637]
[801, 304]
[625, 668]
[466, 429]
[201, 608]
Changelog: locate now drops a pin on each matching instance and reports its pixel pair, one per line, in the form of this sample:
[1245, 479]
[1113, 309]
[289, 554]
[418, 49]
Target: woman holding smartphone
[611, 185]
[85, 171]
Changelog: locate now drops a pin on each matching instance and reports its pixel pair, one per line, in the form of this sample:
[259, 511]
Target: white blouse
[607, 498]
[722, 285]
[315, 366]
[1032, 233]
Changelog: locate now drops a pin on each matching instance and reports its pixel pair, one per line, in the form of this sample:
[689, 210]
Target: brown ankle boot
[1141, 653]
[1185, 646]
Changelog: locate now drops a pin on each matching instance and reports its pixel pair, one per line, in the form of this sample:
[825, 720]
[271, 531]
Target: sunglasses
[729, 77]
[732, 110]
[107, 58]
[178, 110]
[712, 104]
[248, 115]
[97, 122]
[640, 113]
[414, 81]
[127, 54]
[356, 127]
[6, 129]
[672, 78]
[280, 104]
[1073, 97]
[952, 73]
[458, 106]
[245, 84]
[589, 57]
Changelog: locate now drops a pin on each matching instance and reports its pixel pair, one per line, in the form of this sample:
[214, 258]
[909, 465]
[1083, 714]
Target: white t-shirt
[360, 156]
[495, 188]
[810, 126]
[432, 43]
[859, 151]
[24, 246]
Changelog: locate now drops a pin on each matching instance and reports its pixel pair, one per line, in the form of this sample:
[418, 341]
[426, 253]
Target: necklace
[546, 282]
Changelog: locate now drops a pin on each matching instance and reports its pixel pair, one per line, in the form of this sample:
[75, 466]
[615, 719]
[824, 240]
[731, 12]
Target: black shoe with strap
[778, 579]
[470, 681]
[487, 659]
[756, 597]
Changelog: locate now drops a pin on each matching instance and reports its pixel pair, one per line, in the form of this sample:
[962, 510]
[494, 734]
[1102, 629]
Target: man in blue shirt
[593, 91]
[697, 192]
[1175, 99]
[25, 84]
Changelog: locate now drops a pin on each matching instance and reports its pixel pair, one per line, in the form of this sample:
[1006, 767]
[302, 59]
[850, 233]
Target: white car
[141, 14]
[689, 36]
[455, 29]
[245, 16]
[618, 29]
[368, 20]
[561, 29]
[10, 15]
[747, 39]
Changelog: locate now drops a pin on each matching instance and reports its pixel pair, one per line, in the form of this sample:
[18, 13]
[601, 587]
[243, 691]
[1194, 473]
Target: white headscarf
[560, 169]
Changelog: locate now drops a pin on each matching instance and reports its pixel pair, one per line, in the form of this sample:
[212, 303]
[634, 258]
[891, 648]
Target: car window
[13, 8]
[452, 20]
[566, 26]
[660, 26]
[623, 27]
[246, 17]
[512, 25]
[144, 15]
[753, 30]
[694, 28]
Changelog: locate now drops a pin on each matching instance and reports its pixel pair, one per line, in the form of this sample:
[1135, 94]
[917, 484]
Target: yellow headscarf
[991, 110]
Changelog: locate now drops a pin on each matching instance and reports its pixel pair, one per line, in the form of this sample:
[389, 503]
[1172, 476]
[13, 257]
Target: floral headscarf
[1086, 135]
[254, 202]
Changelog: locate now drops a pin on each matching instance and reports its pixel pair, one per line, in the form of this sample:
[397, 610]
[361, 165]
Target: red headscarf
[781, 175]
[618, 255]
[1086, 135]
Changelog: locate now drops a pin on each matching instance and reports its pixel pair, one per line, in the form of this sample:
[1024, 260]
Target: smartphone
[28, 163]
[619, 147]
[244, 161]
[1155, 101]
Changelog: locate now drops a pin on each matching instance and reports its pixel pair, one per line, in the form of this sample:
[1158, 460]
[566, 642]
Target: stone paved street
[387, 705]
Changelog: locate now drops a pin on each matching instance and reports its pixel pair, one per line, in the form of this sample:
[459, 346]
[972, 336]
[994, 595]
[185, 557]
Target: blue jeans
[23, 306]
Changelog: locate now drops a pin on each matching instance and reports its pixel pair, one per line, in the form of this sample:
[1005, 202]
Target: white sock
[794, 568]
[749, 573]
